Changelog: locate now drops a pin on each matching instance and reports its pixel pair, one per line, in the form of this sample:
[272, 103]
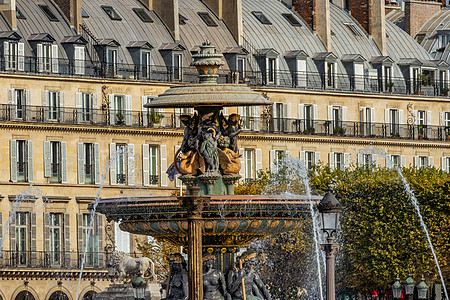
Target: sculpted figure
[244, 280]
[208, 147]
[190, 133]
[214, 286]
[177, 283]
[127, 265]
[232, 131]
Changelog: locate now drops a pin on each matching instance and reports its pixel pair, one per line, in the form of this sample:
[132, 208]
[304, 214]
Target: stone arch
[24, 288]
[2, 296]
[24, 295]
[59, 289]
[89, 295]
[58, 295]
[87, 289]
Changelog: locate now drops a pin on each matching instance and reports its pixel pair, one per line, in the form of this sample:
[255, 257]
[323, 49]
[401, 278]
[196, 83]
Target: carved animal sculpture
[127, 265]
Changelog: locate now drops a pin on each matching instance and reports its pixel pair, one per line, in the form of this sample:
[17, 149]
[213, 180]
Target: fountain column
[330, 248]
[194, 205]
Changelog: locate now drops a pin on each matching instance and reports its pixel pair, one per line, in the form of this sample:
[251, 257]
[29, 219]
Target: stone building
[75, 75]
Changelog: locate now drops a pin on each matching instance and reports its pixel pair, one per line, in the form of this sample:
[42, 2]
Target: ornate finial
[207, 62]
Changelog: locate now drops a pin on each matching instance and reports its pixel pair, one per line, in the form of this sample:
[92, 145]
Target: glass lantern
[139, 286]
[409, 285]
[397, 289]
[330, 210]
[422, 289]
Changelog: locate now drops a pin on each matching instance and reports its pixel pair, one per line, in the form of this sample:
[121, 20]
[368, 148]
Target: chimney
[230, 11]
[370, 14]
[72, 11]
[167, 11]
[8, 9]
[316, 13]
[418, 12]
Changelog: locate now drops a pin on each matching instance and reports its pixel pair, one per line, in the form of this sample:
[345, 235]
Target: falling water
[424, 227]
[92, 216]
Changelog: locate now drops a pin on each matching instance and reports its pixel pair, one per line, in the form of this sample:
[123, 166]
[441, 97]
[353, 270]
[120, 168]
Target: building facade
[75, 75]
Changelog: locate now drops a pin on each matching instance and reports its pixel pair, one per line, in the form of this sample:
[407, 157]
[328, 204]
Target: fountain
[210, 219]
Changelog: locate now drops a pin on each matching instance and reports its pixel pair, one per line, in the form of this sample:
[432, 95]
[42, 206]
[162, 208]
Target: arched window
[24, 295]
[89, 295]
[58, 295]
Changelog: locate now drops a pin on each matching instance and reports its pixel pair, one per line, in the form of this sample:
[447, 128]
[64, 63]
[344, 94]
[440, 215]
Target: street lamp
[139, 286]
[397, 288]
[330, 209]
[409, 285]
[422, 289]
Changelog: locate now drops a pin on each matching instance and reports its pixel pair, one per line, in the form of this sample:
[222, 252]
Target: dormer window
[269, 64]
[182, 19]
[13, 51]
[172, 54]
[296, 60]
[326, 63]
[142, 56]
[111, 61]
[19, 14]
[292, 20]
[261, 17]
[143, 15]
[48, 13]
[177, 66]
[112, 14]
[206, 17]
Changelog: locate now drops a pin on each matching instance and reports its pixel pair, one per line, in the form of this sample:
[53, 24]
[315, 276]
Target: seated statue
[177, 282]
[214, 286]
[243, 280]
[232, 131]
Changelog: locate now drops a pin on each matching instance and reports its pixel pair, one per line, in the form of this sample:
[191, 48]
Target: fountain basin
[227, 221]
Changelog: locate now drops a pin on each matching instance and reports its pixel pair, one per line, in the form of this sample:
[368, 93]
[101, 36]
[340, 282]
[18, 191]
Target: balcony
[280, 78]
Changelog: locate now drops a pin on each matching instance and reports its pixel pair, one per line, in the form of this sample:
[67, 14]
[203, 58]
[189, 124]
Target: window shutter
[256, 118]
[79, 60]
[13, 159]
[80, 234]
[163, 157]
[40, 58]
[67, 237]
[403, 161]
[95, 108]
[45, 103]
[317, 158]
[6, 54]
[128, 107]
[430, 161]
[429, 128]
[331, 160]
[272, 161]
[62, 105]
[112, 111]
[47, 232]
[145, 165]
[414, 115]
[97, 175]
[387, 118]
[64, 162]
[344, 117]
[99, 227]
[258, 160]
[20, 57]
[240, 111]
[12, 231]
[55, 60]
[372, 121]
[362, 115]
[30, 161]
[144, 111]
[47, 161]
[401, 122]
[330, 113]
[442, 118]
[360, 160]
[287, 115]
[33, 238]
[388, 161]
[243, 166]
[346, 160]
[416, 162]
[79, 105]
[130, 156]
[81, 175]
[303, 156]
[375, 159]
[12, 103]
[113, 164]
[444, 164]
[301, 117]
[177, 112]
[316, 117]
[28, 105]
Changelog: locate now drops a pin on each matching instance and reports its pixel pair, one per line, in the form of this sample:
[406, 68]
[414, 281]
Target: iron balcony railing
[105, 117]
[283, 78]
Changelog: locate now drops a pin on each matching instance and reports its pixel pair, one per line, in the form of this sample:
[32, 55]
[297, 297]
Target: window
[422, 162]
[182, 19]
[143, 15]
[19, 100]
[206, 17]
[292, 20]
[92, 250]
[88, 163]
[279, 156]
[339, 160]
[310, 159]
[12, 59]
[84, 14]
[22, 159]
[55, 162]
[119, 109]
[388, 84]
[352, 27]
[150, 167]
[249, 165]
[22, 238]
[394, 118]
[86, 102]
[47, 11]
[261, 17]
[112, 14]
[79, 60]
[337, 117]
[111, 61]
[46, 57]
[55, 228]
[367, 117]
[367, 160]
[309, 116]
[272, 68]
[146, 63]
[120, 163]
[241, 67]
[19, 14]
[330, 74]
[395, 161]
[53, 105]
[177, 66]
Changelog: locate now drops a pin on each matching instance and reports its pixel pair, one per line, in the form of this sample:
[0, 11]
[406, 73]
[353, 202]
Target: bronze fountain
[210, 221]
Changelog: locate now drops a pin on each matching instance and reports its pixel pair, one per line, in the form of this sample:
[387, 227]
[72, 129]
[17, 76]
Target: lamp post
[422, 289]
[330, 209]
[139, 287]
[397, 288]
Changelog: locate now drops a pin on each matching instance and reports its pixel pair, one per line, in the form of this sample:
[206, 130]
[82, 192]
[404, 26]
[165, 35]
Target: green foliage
[380, 235]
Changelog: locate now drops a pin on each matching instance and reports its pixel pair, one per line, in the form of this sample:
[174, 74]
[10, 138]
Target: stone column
[194, 205]
[330, 248]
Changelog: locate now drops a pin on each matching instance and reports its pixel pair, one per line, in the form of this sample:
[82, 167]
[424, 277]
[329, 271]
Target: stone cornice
[36, 273]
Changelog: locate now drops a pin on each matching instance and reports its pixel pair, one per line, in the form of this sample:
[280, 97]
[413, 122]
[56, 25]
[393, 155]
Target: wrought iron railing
[283, 78]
